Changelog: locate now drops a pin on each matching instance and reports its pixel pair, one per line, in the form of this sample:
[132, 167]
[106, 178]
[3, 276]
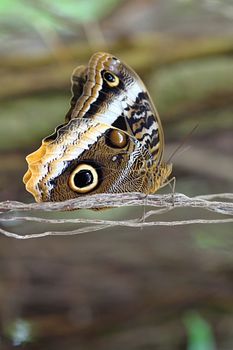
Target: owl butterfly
[111, 142]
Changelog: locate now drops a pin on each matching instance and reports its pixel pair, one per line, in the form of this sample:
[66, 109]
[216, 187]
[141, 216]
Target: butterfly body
[111, 141]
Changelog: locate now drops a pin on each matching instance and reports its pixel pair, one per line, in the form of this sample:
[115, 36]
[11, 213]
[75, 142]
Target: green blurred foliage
[200, 336]
[31, 118]
[191, 82]
[51, 14]
[220, 243]
[20, 332]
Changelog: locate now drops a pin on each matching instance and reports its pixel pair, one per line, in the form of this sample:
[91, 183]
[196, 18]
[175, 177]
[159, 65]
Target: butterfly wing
[85, 158]
[125, 103]
[78, 79]
[112, 140]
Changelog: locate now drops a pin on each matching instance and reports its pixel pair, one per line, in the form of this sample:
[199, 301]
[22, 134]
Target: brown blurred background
[156, 288]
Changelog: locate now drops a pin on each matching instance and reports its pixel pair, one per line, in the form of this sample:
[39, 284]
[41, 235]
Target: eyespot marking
[116, 138]
[83, 179]
[111, 79]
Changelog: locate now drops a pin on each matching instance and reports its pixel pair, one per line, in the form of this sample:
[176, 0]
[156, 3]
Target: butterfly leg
[145, 203]
[172, 184]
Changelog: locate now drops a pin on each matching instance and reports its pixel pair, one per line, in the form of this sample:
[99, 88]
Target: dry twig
[161, 203]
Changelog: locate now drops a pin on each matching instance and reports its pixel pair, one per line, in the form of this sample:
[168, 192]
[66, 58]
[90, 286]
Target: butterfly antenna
[187, 137]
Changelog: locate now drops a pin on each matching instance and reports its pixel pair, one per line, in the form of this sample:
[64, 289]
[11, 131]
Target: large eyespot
[111, 79]
[116, 138]
[83, 179]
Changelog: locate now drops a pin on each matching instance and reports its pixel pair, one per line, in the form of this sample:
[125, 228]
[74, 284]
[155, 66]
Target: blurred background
[124, 288]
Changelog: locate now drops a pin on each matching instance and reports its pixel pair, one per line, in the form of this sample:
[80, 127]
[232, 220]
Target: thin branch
[108, 200]
[161, 203]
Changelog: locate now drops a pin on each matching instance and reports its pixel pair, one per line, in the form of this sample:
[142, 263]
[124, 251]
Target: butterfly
[111, 141]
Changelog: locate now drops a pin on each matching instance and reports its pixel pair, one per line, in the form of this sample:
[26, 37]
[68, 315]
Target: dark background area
[124, 288]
